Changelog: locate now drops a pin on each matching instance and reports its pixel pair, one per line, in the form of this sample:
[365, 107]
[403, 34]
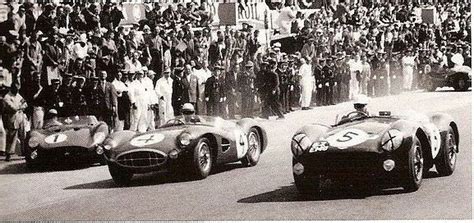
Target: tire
[461, 84]
[414, 172]
[202, 159]
[121, 176]
[306, 185]
[447, 157]
[255, 149]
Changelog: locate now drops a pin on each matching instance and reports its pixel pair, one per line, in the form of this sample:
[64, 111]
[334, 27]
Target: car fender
[247, 123]
[314, 132]
[120, 137]
[411, 129]
[443, 122]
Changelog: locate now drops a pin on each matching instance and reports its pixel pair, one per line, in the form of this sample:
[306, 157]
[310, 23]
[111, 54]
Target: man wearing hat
[33, 56]
[164, 92]
[51, 58]
[284, 78]
[214, 92]
[180, 91]
[65, 93]
[272, 92]
[246, 85]
[79, 99]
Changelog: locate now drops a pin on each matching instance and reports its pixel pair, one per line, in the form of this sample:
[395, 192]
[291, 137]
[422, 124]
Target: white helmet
[361, 99]
[187, 109]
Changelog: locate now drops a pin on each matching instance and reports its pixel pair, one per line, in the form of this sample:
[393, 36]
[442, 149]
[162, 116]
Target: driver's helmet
[187, 109]
[52, 113]
[361, 99]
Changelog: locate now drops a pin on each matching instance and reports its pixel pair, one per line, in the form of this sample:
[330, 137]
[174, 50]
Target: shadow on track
[291, 194]
[22, 168]
[150, 179]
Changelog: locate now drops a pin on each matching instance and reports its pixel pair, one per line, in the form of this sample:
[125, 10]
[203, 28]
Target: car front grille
[142, 158]
[344, 163]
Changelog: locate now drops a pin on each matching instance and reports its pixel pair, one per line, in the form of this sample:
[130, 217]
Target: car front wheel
[202, 159]
[121, 176]
[414, 173]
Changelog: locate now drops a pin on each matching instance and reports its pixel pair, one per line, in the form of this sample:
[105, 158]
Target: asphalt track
[263, 192]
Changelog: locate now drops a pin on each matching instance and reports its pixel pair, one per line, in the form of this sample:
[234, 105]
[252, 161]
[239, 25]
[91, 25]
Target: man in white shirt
[164, 91]
[307, 83]
[151, 96]
[202, 74]
[408, 64]
[121, 89]
[138, 98]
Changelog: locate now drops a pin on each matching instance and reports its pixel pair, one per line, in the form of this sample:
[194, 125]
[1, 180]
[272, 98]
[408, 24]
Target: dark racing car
[384, 150]
[74, 138]
[458, 77]
[192, 144]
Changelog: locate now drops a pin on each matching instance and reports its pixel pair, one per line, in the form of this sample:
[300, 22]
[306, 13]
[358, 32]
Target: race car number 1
[56, 138]
[347, 138]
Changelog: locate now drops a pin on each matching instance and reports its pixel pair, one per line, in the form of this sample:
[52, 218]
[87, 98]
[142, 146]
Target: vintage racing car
[383, 150]
[458, 77]
[74, 137]
[188, 144]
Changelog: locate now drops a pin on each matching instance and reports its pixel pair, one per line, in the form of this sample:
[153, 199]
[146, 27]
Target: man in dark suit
[214, 92]
[231, 89]
[180, 91]
[108, 97]
[272, 90]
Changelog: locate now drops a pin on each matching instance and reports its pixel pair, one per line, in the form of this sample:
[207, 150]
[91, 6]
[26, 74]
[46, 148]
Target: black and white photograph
[235, 110]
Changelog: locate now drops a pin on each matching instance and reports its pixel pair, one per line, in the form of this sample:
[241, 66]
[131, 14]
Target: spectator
[164, 91]
[14, 119]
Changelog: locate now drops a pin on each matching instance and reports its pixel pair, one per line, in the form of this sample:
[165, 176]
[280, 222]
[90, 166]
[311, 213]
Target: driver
[188, 112]
[360, 103]
[52, 119]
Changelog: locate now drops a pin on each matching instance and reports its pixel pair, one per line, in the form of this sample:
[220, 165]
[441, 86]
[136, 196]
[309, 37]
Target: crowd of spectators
[78, 59]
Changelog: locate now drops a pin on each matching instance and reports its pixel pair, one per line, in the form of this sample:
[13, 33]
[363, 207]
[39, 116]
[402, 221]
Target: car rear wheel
[121, 176]
[446, 160]
[255, 148]
[414, 174]
[202, 159]
[461, 84]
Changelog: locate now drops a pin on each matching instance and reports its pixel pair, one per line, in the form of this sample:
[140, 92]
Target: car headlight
[99, 137]
[392, 140]
[299, 144]
[184, 139]
[33, 142]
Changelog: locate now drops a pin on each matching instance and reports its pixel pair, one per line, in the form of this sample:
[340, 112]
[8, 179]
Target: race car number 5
[347, 138]
[56, 138]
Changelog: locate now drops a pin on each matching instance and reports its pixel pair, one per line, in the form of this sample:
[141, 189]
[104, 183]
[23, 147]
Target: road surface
[263, 192]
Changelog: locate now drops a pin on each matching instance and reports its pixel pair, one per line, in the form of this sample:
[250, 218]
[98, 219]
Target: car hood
[64, 136]
[161, 139]
[358, 136]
